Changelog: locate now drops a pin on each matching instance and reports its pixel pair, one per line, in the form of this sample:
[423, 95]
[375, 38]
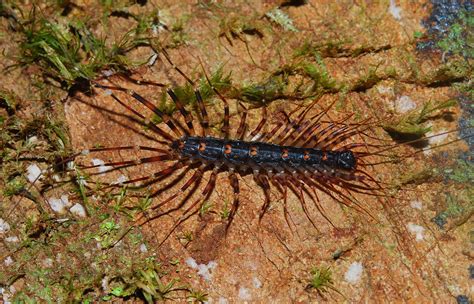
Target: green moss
[321, 280]
[416, 177]
[146, 282]
[178, 33]
[206, 207]
[222, 82]
[14, 186]
[197, 296]
[264, 92]
[459, 39]
[458, 208]
[235, 27]
[367, 81]
[331, 48]
[70, 52]
[463, 172]
[225, 212]
[411, 125]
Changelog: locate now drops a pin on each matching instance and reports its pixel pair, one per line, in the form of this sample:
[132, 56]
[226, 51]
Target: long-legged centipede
[304, 153]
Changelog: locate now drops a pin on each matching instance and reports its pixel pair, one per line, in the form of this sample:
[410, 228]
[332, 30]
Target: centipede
[303, 152]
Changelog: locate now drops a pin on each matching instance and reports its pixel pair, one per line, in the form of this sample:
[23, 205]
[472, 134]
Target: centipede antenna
[411, 153]
[411, 142]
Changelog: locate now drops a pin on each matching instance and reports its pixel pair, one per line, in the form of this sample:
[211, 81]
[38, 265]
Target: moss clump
[236, 27]
[186, 95]
[321, 280]
[463, 172]
[411, 126]
[69, 52]
[459, 38]
[264, 92]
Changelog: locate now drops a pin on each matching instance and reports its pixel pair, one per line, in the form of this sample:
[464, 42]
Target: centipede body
[302, 153]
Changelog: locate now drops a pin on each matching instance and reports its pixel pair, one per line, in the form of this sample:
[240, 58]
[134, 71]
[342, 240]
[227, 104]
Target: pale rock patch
[4, 226]
[354, 273]
[417, 230]
[34, 172]
[59, 205]
[78, 210]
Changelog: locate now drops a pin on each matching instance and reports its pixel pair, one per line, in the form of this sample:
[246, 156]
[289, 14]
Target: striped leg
[263, 182]
[194, 180]
[188, 118]
[204, 121]
[234, 182]
[167, 119]
[226, 128]
[260, 124]
[242, 126]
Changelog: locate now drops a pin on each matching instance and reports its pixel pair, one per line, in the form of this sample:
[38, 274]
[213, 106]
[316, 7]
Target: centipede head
[346, 160]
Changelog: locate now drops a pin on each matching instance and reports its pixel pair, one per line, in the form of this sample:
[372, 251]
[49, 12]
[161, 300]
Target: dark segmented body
[239, 152]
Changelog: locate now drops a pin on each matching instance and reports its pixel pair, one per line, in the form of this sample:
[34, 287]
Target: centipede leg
[329, 189]
[226, 128]
[144, 122]
[320, 208]
[167, 119]
[186, 115]
[262, 181]
[234, 182]
[204, 121]
[242, 126]
[195, 180]
[206, 193]
[260, 125]
[286, 214]
[155, 177]
[297, 187]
